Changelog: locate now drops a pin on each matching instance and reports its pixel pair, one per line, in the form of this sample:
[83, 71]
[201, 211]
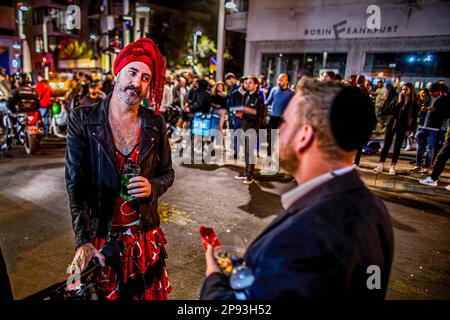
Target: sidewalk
[404, 181]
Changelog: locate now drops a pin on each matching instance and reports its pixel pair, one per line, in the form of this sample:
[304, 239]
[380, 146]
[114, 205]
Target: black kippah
[352, 118]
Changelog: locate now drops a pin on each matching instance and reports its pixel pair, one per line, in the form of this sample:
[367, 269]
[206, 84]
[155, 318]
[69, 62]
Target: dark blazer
[92, 178]
[320, 248]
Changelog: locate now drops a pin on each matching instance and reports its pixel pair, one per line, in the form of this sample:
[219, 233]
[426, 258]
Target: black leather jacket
[92, 179]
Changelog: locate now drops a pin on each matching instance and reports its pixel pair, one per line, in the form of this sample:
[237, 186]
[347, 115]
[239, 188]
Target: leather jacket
[92, 178]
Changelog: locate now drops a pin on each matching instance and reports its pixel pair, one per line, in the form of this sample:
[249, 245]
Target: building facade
[309, 36]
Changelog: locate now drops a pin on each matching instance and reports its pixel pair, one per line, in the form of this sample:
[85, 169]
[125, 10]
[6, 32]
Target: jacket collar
[97, 121]
[338, 184]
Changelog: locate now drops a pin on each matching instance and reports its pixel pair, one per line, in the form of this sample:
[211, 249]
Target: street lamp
[230, 5]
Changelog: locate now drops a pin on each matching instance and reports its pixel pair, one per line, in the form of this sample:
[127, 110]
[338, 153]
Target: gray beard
[128, 99]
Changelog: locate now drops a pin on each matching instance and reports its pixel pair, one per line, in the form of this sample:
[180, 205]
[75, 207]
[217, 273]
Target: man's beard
[132, 97]
[289, 160]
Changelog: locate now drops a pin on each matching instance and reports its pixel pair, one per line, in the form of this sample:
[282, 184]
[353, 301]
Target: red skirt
[139, 254]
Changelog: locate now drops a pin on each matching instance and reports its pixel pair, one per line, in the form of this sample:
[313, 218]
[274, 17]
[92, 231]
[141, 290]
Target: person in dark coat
[202, 99]
[335, 237]
[404, 112]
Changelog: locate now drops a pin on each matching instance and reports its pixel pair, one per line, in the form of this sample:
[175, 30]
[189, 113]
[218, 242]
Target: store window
[302, 64]
[408, 64]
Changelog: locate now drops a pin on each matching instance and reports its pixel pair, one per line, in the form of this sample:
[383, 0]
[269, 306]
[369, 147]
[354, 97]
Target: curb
[399, 184]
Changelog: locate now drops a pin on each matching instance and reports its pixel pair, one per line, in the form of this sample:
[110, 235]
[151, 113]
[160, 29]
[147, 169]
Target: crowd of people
[403, 115]
[407, 115]
[333, 229]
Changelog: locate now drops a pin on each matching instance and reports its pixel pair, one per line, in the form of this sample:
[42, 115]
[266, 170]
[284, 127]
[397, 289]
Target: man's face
[230, 82]
[435, 94]
[133, 82]
[288, 132]
[423, 95]
[195, 83]
[250, 85]
[93, 91]
[263, 82]
[380, 84]
[282, 81]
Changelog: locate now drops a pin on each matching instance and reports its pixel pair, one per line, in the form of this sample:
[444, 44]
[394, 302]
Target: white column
[126, 31]
[220, 41]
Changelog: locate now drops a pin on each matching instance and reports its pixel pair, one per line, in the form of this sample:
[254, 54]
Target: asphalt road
[36, 236]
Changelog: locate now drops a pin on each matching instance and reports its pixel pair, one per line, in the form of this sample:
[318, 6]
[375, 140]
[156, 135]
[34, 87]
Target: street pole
[21, 36]
[126, 30]
[105, 36]
[45, 38]
[194, 51]
[220, 40]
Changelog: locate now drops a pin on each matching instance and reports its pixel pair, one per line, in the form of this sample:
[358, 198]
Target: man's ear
[304, 138]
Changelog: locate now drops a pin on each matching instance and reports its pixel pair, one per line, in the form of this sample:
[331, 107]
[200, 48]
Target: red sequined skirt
[141, 255]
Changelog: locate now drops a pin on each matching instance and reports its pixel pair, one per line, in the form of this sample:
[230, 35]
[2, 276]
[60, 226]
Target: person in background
[279, 99]
[253, 100]
[401, 125]
[380, 95]
[167, 99]
[439, 166]
[93, 96]
[232, 86]
[361, 84]
[202, 101]
[219, 102]
[264, 86]
[44, 93]
[108, 84]
[328, 75]
[430, 121]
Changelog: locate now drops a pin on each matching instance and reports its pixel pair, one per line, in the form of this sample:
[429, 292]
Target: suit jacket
[320, 248]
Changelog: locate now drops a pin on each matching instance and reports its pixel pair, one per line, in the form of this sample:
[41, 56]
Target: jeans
[441, 159]
[45, 114]
[274, 123]
[425, 139]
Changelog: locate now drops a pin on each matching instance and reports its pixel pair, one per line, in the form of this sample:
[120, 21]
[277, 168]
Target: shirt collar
[288, 198]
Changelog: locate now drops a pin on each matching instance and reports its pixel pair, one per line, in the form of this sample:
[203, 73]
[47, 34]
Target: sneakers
[392, 171]
[249, 180]
[379, 168]
[425, 170]
[447, 188]
[240, 177]
[429, 182]
[415, 169]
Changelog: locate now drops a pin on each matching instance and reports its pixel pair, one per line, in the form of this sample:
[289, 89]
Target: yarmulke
[352, 118]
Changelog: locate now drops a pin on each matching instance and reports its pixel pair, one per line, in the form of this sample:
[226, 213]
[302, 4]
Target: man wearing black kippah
[335, 238]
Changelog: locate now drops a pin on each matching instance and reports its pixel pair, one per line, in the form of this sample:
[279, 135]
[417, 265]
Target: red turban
[146, 51]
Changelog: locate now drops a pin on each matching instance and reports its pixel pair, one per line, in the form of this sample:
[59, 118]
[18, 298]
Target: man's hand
[408, 134]
[139, 187]
[85, 253]
[211, 264]
[239, 114]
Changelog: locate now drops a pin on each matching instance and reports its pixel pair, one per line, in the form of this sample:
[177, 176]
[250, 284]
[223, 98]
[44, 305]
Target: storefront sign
[343, 29]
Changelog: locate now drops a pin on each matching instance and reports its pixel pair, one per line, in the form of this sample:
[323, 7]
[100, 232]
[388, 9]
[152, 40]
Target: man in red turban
[118, 163]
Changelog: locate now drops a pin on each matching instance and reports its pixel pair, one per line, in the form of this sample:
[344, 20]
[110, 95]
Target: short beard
[289, 160]
[132, 98]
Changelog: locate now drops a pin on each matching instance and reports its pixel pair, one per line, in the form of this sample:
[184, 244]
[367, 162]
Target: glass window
[408, 64]
[301, 64]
